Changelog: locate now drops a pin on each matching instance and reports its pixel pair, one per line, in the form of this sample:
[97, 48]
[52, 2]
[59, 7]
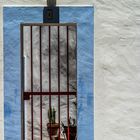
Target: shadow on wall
[51, 2]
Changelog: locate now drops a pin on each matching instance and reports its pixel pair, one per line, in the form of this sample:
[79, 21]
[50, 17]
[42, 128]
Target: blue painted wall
[13, 16]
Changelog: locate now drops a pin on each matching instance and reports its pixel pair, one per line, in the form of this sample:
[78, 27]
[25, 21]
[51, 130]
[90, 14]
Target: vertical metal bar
[22, 83]
[50, 76]
[68, 81]
[59, 80]
[40, 82]
[76, 87]
[32, 115]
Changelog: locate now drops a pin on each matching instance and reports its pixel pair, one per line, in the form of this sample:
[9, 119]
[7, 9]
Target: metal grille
[47, 50]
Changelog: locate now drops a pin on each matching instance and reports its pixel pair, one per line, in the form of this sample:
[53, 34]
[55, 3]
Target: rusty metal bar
[40, 82]
[68, 81]
[27, 94]
[49, 24]
[59, 80]
[32, 115]
[50, 76]
[76, 86]
[48, 93]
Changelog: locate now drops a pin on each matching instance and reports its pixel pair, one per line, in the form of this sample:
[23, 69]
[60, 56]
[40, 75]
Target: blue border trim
[83, 16]
[13, 16]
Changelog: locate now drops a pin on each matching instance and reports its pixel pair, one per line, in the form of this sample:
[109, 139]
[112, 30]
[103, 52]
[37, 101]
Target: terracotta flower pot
[52, 128]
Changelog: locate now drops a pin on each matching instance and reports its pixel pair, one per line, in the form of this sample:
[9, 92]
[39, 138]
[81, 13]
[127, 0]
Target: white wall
[117, 70]
[117, 67]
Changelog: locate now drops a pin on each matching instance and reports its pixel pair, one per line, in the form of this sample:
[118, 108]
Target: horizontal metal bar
[52, 93]
[48, 24]
[27, 94]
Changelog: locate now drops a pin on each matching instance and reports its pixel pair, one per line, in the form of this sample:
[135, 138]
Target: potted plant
[72, 127]
[52, 126]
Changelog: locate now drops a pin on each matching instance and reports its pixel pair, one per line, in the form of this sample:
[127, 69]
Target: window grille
[49, 81]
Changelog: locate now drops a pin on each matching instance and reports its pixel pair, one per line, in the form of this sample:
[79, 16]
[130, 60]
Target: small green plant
[52, 115]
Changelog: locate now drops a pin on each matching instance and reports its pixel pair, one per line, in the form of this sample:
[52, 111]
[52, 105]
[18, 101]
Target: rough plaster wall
[43, 2]
[116, 67]
[117, 70]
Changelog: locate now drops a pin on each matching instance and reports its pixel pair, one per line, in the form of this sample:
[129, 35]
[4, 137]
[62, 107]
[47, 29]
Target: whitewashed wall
[117, 66]
[117, 70]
